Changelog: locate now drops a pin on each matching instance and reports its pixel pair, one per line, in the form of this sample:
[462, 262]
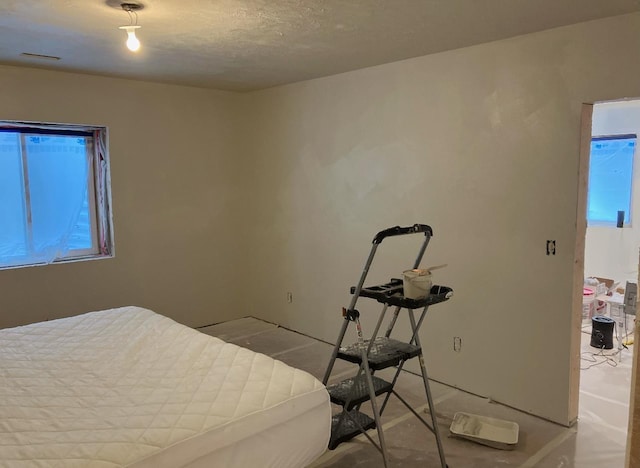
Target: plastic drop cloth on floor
[600, 437]
[597, 441]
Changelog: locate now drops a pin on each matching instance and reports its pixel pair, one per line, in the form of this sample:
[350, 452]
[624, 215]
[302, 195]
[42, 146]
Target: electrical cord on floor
[593, 358]
[608, 358]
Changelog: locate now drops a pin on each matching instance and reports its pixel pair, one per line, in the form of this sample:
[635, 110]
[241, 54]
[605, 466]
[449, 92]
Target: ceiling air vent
[39, 56]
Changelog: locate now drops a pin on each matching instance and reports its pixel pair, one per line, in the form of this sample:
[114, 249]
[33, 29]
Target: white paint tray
[496, 433]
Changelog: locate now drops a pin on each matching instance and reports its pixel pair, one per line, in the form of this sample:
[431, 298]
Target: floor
[598, 440]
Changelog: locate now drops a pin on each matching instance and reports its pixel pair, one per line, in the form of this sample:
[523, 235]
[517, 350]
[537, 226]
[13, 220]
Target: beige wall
[481, 143]
[174, 167]
[223, 203]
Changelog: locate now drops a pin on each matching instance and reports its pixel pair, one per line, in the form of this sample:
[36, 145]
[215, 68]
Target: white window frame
[98, 186]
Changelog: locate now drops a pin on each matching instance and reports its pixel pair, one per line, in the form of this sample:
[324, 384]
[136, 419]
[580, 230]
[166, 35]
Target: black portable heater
[602, 332]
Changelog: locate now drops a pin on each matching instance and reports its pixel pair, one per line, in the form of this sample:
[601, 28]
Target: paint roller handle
[401, 231]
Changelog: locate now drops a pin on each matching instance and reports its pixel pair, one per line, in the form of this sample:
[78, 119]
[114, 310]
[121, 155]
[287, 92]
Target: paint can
[588, 303]
[416, 283]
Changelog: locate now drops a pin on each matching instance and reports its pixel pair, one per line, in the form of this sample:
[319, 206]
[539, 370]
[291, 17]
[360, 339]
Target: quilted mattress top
[129, 387]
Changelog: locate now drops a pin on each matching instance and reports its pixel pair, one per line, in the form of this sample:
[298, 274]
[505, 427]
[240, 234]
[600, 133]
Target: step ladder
[381, 352]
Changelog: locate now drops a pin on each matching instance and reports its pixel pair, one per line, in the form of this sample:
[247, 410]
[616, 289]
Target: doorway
[610, 264]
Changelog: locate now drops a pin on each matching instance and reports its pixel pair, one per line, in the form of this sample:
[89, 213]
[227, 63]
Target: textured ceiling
[254, 44]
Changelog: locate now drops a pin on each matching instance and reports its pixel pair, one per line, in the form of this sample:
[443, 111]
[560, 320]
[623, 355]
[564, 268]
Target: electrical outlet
[289, 297]
[457, 344]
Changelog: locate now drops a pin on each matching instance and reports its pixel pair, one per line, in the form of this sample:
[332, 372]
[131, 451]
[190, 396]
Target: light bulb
[133, 44]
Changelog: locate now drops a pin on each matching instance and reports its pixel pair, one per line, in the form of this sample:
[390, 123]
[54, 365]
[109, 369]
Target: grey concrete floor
[597, 441]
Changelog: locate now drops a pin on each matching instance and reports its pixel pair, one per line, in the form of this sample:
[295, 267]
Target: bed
[128, 387]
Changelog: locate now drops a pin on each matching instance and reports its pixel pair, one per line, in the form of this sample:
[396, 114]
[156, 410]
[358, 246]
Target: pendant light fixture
[133, 43]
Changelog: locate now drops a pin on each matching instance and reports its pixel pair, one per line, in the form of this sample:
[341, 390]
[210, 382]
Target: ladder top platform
[392, 293]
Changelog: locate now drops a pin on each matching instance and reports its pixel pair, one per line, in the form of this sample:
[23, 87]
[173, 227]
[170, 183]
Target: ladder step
[385, 352]
[356, 392]
[348, 429]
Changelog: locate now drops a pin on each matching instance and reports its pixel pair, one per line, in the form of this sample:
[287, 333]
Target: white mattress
[128, 387]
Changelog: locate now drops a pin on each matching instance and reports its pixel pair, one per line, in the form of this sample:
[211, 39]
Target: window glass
[54, 196]
[610, 179]
[13, 234]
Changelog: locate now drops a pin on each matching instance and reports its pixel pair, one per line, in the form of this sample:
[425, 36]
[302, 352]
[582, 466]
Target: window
[610, 179]
[54, 194]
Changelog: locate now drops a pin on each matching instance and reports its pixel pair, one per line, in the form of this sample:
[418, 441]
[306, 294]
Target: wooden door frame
[578, 261]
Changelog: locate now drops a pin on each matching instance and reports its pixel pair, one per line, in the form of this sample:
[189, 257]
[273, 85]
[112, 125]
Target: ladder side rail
[425, 380]
[372, 395]
[352, 305]
[336, 348]
[375, 331]
[401, 231]
[392, 323]
[393, 385]
[427, 238]
[363, 365]
[417, 327]
[416, 264]
[415, 413]
[363, 277]
[376, 413]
